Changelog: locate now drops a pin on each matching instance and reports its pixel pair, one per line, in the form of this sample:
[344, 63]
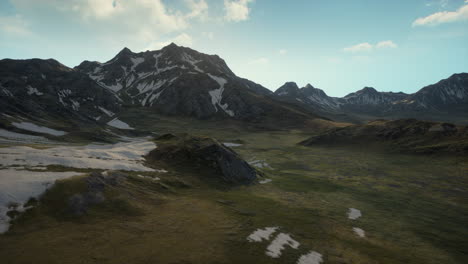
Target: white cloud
[282, 51]
[209, 35]
[443, 17]
[237, 10]
[441, 3]
[366, 46]
[387, 44]
[137, 24]
[199, 9]
[361, 47]
[259, 61]
[14, 25]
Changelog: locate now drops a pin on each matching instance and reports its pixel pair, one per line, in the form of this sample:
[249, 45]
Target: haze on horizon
[338, 46]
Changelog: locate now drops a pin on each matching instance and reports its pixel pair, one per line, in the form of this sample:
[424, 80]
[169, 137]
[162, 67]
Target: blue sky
[339, 46]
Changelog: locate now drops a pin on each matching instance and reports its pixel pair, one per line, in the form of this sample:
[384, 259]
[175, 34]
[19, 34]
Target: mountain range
[445, 100]
[180, 81]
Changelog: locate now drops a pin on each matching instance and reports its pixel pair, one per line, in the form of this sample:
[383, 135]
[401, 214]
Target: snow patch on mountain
[75, 105]
[105, 111]
[217, 95]
[136, 61]
[7, 92]
[119, 124]
[186, 57]
[32, 90]
[144, 87]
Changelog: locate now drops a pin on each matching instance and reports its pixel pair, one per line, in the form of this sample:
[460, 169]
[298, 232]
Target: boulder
[204, 152]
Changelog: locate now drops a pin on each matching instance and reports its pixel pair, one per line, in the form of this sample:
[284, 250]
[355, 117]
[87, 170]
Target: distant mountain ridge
[449, 97]
[175, 81]
[46, 87]
[180, 81]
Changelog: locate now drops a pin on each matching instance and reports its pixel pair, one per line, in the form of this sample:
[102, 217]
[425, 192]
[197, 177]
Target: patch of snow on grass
[260, 164]
[354, 214]
[232, 145]
[277, 245]
[119, 124]
[262, 234]
[13, 137]
[217, 95]
[359, 232]
[121, 156]
[265, 181]
[149, 177]
[39, 129]
[17, 186]
[311, 258]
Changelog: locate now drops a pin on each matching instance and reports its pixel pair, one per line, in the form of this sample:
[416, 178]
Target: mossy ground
[414, 209]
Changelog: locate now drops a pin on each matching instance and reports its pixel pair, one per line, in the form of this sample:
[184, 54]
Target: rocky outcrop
[78, 204]
[203, 153]
[406, 134]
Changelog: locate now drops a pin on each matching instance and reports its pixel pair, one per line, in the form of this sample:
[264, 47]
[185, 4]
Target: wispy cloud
[137, 24]
[366, 46]
[209, 35]
[361, 47]
[237, 10]
[14, 25]
[441, 3]
[199, 9]
[387, 44]
[443, 17]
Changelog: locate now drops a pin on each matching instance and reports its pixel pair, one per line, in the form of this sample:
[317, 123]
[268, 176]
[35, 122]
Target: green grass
[415, 208]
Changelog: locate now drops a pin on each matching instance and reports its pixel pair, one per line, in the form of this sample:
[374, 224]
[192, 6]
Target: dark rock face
[204, 152]
[38, 87]
[313, 97]
[448, 94]
[78, 204]
[180, 81]
[406, 134]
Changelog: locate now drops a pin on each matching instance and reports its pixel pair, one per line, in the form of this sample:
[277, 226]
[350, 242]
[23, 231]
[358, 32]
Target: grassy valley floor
[414, 208]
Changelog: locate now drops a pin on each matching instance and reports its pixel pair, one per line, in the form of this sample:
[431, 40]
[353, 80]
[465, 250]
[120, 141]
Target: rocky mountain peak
[125, 51]
[368, 90]
[288, 88]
